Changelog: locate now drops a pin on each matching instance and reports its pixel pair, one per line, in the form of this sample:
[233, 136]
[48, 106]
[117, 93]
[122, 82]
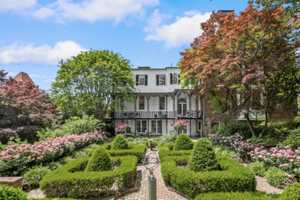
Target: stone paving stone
[263, 186]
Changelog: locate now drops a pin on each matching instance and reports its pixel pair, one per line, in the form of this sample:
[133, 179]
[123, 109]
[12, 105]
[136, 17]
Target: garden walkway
[263, 186]
[163, 192]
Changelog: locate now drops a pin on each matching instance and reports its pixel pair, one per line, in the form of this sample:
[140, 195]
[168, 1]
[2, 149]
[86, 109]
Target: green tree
[92, 83]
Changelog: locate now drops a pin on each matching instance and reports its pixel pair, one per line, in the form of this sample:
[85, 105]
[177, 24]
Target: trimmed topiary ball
[204, 157]
[11, 193]
[120, 142]
[183, 142]
[100, 161]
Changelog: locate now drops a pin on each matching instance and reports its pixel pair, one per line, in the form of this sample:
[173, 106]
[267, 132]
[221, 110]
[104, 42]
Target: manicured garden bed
[71, 180]
[110, 170]
[232, 177]
[196, 171]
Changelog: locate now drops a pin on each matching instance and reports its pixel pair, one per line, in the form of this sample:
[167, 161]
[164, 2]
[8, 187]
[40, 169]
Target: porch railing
[158, 115]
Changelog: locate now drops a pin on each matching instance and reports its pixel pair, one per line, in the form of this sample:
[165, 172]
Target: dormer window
[160, 79]
[141, 79]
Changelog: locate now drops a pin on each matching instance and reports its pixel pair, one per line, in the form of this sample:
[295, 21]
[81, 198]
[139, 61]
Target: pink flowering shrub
[121, 127]
[180, 123]
[16, 158]
[287, 159]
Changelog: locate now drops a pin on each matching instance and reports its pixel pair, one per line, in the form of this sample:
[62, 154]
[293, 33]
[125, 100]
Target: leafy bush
[293, 139]
[277, 177]
[233, 128]
[77, 125]
[232, 195]
[258, 168]
[10, 193]
[74, 125]
[203, 156]
[100, 161]
[232, 177]
[268, 136]
[183, 142]
[33, 176]
[120, 142]
[292, 192]
[71, 180]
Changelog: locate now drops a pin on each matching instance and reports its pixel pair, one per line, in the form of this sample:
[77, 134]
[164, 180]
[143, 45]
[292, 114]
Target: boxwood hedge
[137, 150]
[233, 177]
[72, 181]
[292, 192]
[164, 152]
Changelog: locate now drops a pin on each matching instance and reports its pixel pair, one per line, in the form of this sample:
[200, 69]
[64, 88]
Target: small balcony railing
[157, 115]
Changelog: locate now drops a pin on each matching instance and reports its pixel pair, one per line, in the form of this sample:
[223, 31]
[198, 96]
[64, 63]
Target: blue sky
[35, 34]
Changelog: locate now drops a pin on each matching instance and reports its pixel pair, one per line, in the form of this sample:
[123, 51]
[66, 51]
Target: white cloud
[16, 5]
[39, 54]
[93, 10]
[180, 32]
[43, 12]
[85, 10]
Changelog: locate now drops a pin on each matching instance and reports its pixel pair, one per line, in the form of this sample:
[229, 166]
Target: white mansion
[160, 102]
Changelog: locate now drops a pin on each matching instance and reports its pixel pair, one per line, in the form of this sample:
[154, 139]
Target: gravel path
[263, 186]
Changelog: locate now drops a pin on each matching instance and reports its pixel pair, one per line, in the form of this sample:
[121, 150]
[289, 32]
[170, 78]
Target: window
[141, 126]
[160, 79]
[141, 79]
[182, 107]
[141, 103]
[298, 58]
[162, 103]
[173, 78]
[156, 127]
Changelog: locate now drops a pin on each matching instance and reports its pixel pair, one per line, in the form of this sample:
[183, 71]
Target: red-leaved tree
[31, 102]
[244, 61]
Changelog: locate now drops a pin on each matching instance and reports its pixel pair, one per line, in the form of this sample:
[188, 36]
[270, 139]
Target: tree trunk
[250, 124]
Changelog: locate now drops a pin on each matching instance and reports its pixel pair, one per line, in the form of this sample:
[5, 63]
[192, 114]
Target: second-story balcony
[158, 115]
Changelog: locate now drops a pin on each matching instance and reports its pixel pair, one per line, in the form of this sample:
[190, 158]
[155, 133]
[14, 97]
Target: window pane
[141, 102]
[159, 126]
[161, 79]
[162, 103]
[173, 79]
[153, 126]
[141, 79]
[138, 126]
[144, 126]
